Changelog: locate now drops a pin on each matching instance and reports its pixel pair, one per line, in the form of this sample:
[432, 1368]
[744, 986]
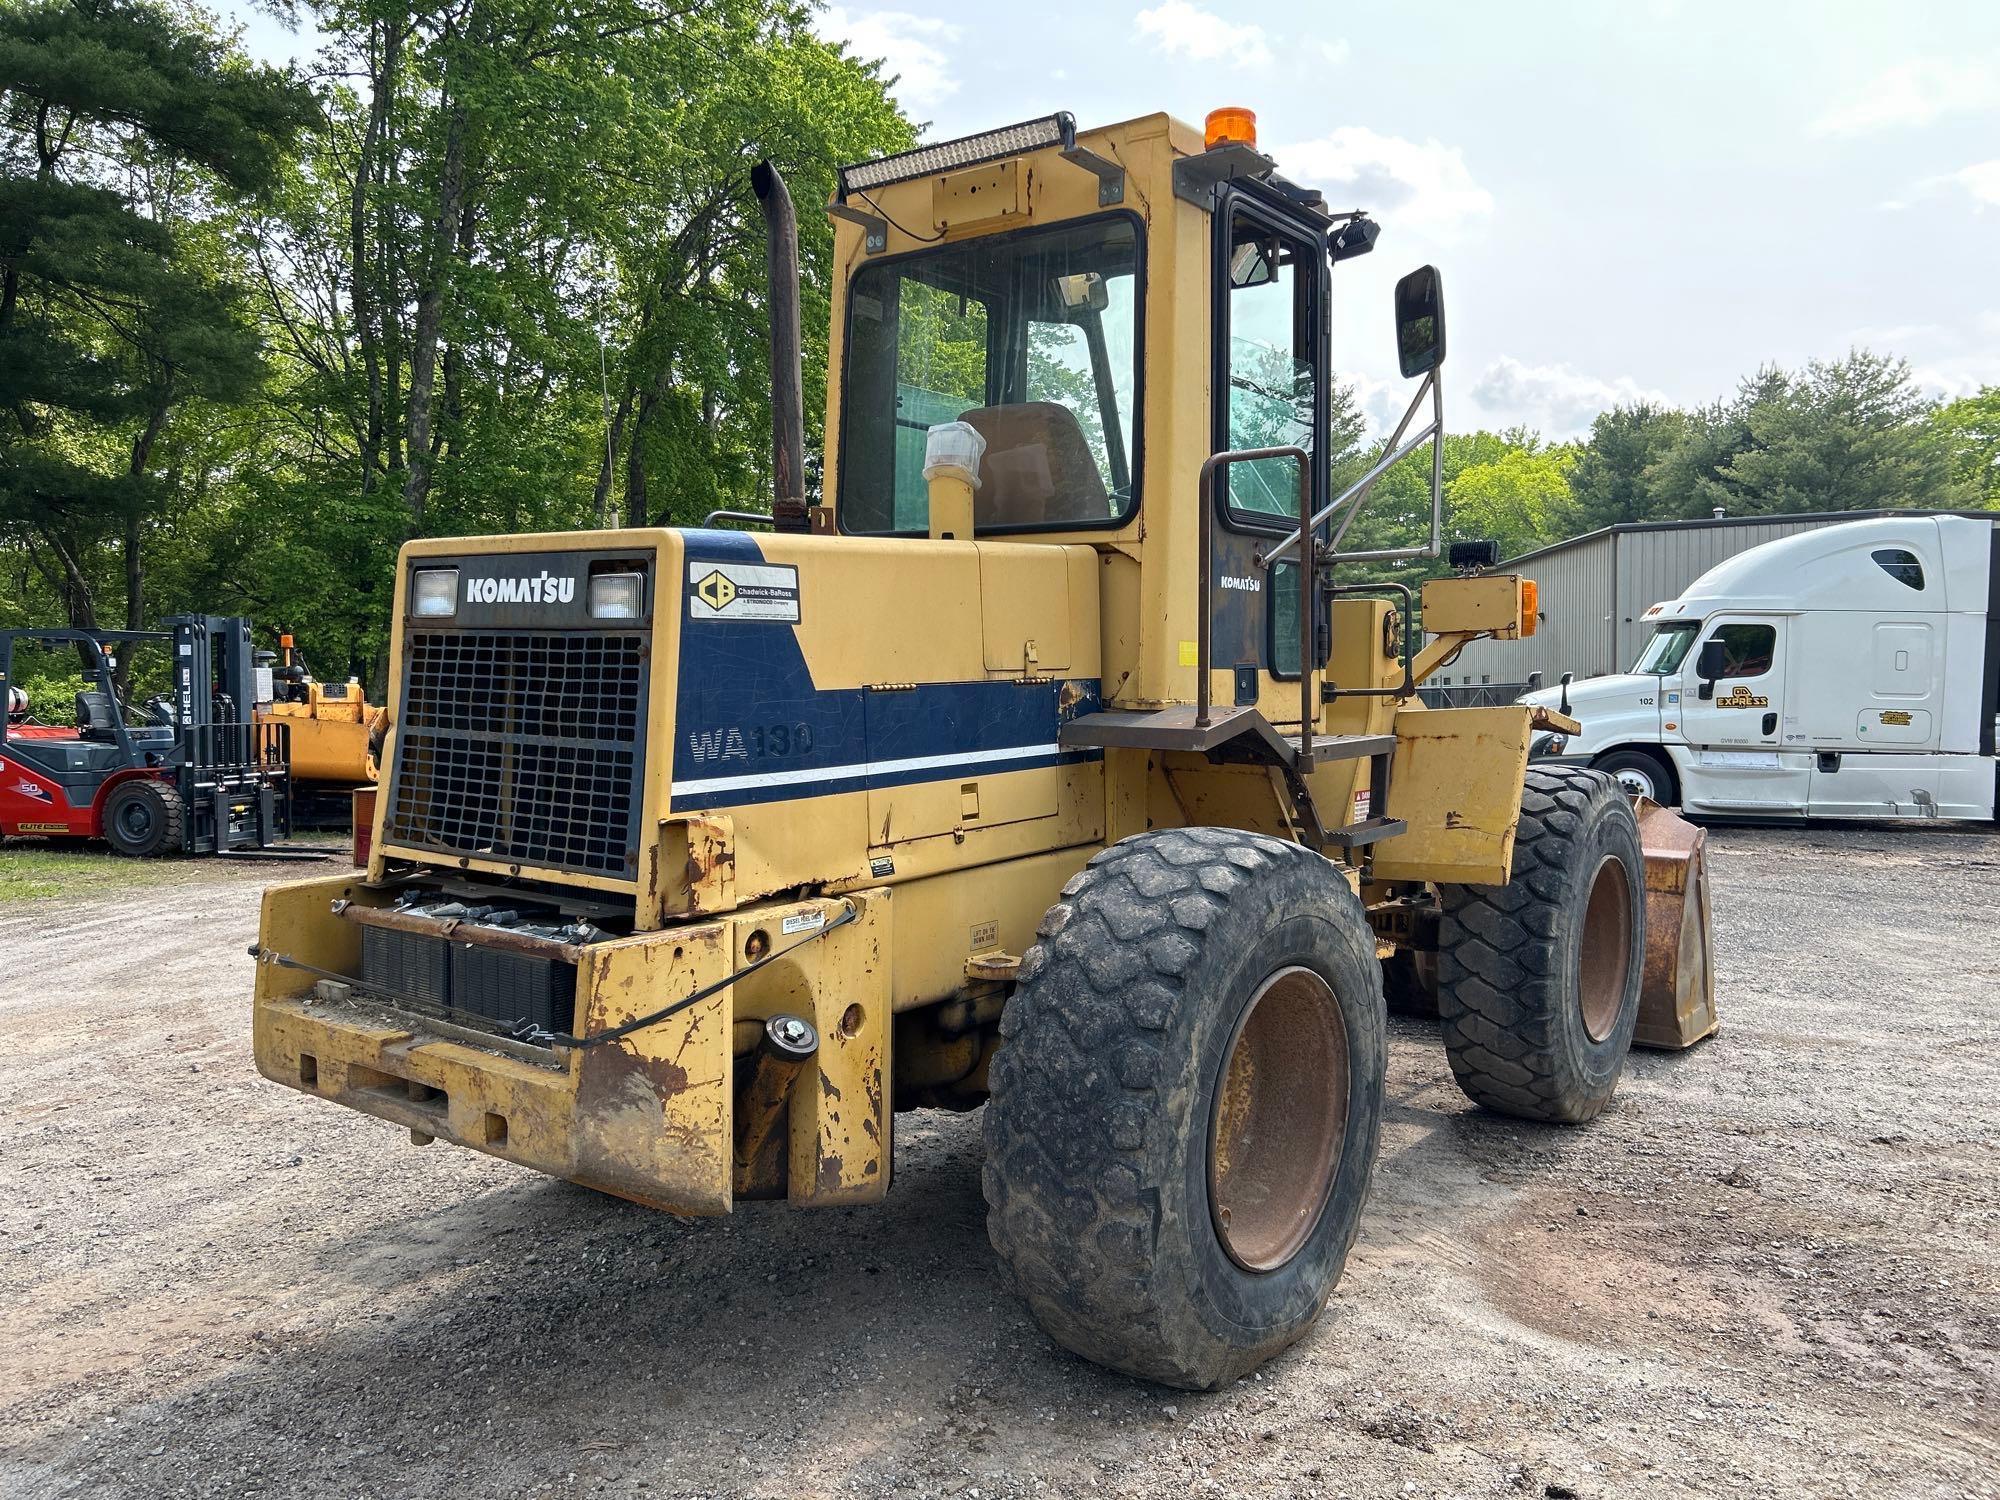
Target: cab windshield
[1031, 338]
[1663, 653]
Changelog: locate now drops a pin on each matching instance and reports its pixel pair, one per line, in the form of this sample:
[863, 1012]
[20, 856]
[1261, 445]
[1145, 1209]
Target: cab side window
[1747, 650]
[1270, 371]
[1902, 565]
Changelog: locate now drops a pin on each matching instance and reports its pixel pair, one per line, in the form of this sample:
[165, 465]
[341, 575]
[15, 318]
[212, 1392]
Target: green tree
[1848, 434]
[518, 284]
[125, 126]
[1971, 427]
[1614, 477]
[1520, 498]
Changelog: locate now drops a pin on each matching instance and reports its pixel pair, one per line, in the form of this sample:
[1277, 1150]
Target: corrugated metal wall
[1594, 591]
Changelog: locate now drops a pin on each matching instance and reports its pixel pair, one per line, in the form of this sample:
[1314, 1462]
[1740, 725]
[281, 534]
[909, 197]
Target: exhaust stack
[788, 422]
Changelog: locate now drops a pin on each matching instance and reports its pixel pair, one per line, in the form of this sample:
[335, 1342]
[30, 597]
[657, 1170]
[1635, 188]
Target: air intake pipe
[788, 420]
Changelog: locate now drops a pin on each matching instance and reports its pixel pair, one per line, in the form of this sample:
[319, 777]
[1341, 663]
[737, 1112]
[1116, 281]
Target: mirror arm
[1434, 429]
[1396, 451]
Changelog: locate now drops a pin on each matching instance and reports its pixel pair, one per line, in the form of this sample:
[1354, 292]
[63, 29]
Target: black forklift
[190, 771]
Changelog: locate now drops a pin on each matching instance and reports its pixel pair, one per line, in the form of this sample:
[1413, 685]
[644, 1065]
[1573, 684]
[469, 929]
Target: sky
[1628, 199]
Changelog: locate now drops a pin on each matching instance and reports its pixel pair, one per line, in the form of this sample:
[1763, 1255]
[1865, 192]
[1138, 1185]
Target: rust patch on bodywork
[829, 1174]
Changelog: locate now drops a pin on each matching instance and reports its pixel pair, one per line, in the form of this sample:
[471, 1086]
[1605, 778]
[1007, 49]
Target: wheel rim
[1606, 955]
[1280, 1120]
[1635, 782]
[135, 820]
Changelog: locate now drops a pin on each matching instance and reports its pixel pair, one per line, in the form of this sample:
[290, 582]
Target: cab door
[1269, 386]
[1732, 722]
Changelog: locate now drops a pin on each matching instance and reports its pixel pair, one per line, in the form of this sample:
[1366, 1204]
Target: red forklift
[188, 772]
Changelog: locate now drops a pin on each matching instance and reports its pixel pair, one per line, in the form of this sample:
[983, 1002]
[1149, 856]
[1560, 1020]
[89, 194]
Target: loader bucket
[1677, 988]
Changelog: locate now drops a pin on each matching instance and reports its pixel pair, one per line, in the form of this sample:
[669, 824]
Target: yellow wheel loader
[332, 732]
[1061, 759]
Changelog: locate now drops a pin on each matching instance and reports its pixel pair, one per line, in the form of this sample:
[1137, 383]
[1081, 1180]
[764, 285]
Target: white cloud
[1916, 93]
[1409, 185]
[911, 48]
[1335, 52]
[1184, 30]
[1982, 180]
[1962, 375]
[1555, 400]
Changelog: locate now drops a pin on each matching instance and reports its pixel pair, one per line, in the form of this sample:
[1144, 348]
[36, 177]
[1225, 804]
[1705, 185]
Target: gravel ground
[1771, 1269]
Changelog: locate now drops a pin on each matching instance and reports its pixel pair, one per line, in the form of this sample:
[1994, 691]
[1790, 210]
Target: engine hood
[1622, 690]
[1612, 710]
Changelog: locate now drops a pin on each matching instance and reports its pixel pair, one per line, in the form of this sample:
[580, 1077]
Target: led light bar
[967, 151]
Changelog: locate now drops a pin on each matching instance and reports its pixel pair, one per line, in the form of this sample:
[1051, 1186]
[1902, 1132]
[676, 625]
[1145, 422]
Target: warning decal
[743, 591]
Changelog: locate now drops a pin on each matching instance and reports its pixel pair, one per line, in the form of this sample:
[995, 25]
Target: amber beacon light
[1230, 125]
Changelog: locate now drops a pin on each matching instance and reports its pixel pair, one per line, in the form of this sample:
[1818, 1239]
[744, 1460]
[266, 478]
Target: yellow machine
[1055, 761]
[331, 729]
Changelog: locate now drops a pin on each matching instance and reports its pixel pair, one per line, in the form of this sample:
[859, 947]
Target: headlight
[615, 596]
[434, 592]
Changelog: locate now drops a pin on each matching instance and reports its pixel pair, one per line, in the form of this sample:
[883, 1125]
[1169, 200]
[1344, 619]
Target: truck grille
[522, 746]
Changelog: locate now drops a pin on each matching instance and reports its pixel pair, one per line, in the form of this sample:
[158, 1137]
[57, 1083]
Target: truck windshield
[1669, 644]
[1032, 338]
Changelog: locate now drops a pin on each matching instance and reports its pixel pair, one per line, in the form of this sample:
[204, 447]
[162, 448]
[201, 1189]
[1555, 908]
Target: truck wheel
[1539, 978]
[143, 818]
[1641, 774]
[1185, 1103]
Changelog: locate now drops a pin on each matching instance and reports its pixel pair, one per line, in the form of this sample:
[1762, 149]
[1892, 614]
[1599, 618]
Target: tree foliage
[127, 134]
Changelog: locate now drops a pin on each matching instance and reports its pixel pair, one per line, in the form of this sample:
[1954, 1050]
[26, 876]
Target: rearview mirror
[1082, 292]
[1710, 662]
[1420, 321]
[1253, 263]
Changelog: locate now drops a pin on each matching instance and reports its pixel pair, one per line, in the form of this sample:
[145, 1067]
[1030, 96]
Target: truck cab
[1848, 671]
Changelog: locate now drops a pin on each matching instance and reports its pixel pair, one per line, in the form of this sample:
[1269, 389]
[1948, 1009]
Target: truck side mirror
[1710, 662]
[1420, 321]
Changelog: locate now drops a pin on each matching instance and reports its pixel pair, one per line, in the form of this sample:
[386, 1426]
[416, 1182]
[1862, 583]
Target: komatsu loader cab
[1058, 759]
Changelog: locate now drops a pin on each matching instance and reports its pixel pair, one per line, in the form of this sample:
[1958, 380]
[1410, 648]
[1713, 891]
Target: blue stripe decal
[750, 727]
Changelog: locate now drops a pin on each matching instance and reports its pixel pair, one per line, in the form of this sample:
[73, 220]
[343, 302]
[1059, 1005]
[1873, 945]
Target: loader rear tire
[144, 818]
[1186, 1103]
[1538, 979]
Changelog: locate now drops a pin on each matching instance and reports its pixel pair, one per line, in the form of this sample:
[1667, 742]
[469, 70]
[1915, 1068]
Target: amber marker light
[1232, 125]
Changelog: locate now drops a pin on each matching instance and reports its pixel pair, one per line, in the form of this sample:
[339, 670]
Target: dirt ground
[1772, 1269]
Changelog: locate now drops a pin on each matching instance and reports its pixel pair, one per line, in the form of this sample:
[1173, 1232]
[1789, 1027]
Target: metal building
[1595, 588]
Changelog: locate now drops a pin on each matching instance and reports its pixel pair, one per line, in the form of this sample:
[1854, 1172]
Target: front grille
[522, 746]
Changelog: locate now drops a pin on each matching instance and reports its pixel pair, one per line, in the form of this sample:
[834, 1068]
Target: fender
[111, 784]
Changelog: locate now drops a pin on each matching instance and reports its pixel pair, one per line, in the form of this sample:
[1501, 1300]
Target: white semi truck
[1851, 671]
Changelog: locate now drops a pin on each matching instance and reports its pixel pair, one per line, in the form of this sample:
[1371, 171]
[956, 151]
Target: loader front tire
[1538, 979]
[1186, 1102]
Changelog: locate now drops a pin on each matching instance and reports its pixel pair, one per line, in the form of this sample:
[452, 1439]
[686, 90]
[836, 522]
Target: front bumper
[649, 1117]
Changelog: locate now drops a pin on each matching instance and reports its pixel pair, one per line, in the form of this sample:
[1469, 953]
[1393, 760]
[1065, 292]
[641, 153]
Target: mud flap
[1677, 989]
